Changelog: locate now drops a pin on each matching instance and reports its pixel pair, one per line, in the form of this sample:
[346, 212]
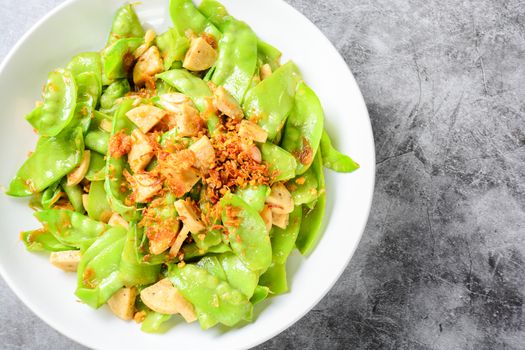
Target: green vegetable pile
[176, 173]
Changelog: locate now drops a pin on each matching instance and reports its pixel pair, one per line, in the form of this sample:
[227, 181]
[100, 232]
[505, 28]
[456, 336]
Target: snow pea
[185, 16]
[214, 299]
[304, 127]
[33, 116]
[115, 167]
[97, 164]
[281, 164]
[190, 85]
[275, 279]
[97, 139]
[237, 59]
[51, 195]
[212, 264]
[247, 233]
[126, 24]
[307, 191]
[117, 59]
[172, 46]
[86, 62]
[117, 89]
[283, 240]
[71, 228]
[98, 207]
[333, 159]
[237, 274]
[155, 322]
[271, 101]
[312, 221]
[260, 294]
[97, 273]
[133, 270]
[192, 251]
[88, 94]
[42, 240]
[74, 194]
[60, 98]
[268, 54]
[53, 158]
[254, 196]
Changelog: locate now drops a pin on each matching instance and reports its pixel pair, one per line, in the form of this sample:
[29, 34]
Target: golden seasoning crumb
[181, 264]
[300, 180]
[201, 236]
[139, 316]
[119, 144]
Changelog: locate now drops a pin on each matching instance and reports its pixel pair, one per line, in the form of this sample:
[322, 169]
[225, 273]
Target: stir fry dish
[175, 173]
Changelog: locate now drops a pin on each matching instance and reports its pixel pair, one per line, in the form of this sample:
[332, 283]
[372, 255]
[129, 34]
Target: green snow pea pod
[238, 275]
[304, 127]
[118, 59]
[97, 164]
[155, 322]
[237, 61]
[333, 159]
[212, 264]
[51, 195]
[275, 279]
[283, 240]
[134, 271]
[98, 141]
[211, 296]
[192, 251]
[190, 85]
[33, 116]
[53, 158]
[98, 207]
[254, 196]
[260, 294]
[86, 62]
[97, 273]
[163, 87]
[271, 100]
[88, 93]
[71, 228]
[74, 194]
[246, 233]
[60, 98]
[311, 225]
[268, 54]
[115, 167]
[307, 191]
[41, 240]
[185, 16]
[172, 46]
[126, 24]
[117, 89]
[281, 164]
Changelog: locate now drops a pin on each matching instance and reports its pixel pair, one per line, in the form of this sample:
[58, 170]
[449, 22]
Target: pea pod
[126, 24]
[247, 233]
[89, 91]
[268, 54]
[254, 196]
[172, 46]
[97, 273]
[53, 158]
[237, 59]
[60, 96]
[281, 164]
[260, 294]
[115, 167]
[185, 16]
[211, 296]
[114, 91]
[312, 221]
[134, 271]
[283, 240]
[71, 228]
[98, 141]
[271, 101]
[333, 159]
[117, 59]
[86, 62]
[98, 207]
[190, 85]
[155, 322]
[212, 264]
[238, 275]
[305, 189]
[192, 251]
[74, 194]
[97, 164]
[275, 279]
[42, 240]
[304, 127]
[51, 195]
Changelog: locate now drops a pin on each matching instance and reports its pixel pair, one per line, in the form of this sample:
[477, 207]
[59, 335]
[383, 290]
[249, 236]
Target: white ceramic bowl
[83, 25]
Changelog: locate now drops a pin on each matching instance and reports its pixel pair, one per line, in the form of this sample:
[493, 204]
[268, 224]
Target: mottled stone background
[441, 264]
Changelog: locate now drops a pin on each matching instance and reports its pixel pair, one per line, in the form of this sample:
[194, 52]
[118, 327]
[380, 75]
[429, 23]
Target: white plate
[83, 25]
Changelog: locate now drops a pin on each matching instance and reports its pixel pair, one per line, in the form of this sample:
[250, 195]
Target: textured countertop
[441, 263]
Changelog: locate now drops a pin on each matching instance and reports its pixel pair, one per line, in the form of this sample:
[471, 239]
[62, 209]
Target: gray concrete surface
[441, 264]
